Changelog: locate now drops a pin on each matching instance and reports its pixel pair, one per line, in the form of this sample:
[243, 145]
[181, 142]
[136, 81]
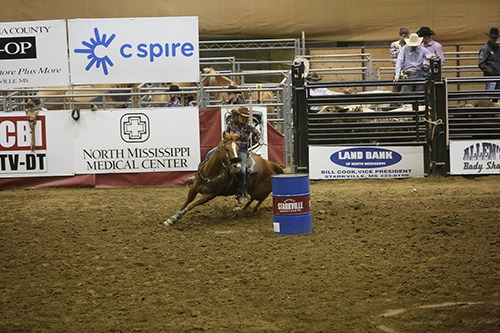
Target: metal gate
[427, 120]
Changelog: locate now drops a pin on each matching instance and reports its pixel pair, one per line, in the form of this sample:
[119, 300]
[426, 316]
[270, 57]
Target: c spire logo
[96, 50]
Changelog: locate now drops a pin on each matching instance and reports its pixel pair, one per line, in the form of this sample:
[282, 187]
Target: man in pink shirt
[433, 46]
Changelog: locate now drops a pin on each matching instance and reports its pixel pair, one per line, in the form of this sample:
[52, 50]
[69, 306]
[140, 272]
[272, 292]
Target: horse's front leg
[177, 216]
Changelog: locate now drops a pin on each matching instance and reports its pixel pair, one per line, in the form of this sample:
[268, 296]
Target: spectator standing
[398, 45]
[174, 98]
[394, 51]
[430, 44]
[410, 62]
[489, 59]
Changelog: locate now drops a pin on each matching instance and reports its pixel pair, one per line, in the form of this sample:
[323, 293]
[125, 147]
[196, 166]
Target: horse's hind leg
[248, 204]
[256, 208]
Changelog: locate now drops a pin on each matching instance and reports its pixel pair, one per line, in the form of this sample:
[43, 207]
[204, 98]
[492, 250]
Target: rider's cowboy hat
[242, 111]
[313, 77]
[425, 31]
[414, 40]
[493, 33]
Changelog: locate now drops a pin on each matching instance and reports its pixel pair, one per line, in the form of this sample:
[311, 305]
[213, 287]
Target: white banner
[137, 140]
[33, 54]
[132, 50]
[338, 162]
[475, 157]
[259, 114]
[53, 146]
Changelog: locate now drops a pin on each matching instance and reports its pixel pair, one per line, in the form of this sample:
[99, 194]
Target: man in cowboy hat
[314, 77]
[430, 44]
[410, 62]
[489, 59]
[175, 99]
[234, 96]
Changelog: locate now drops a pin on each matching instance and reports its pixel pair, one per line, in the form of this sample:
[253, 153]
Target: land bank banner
[33, 54]
[133, 50]
[137, 140]
[476, 157]
[53, 151]
[336, 162]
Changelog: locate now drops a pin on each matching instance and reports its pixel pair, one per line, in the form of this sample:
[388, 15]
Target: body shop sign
[365, 162]
[476, 157]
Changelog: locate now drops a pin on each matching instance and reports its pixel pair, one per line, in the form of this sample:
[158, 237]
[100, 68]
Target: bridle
[221, 176]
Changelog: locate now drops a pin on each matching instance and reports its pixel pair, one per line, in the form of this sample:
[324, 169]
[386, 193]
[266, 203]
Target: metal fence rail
[431, 123]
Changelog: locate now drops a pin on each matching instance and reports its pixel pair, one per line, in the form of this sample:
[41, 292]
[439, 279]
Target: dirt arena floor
[412, 255]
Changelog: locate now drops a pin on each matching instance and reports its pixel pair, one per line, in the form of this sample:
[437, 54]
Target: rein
[214, 181]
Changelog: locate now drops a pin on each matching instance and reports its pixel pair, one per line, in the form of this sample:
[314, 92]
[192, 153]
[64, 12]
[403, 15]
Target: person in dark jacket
[489, 59]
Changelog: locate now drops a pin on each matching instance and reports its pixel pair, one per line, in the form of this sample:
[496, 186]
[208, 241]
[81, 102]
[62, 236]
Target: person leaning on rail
[314, 77]
[430, 44]
[410, 62]
[175, 99]
[489, 59]
[234, 96]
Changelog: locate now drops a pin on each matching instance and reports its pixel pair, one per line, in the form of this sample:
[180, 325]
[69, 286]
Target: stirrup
[241, 199]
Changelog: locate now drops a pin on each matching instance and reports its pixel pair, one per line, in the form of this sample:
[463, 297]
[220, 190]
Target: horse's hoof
[169, 222]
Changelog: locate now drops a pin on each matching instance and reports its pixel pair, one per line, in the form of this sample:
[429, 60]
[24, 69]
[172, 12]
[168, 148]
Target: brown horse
[261, 96]
[160, 100]
[113, 98]
[216, 177]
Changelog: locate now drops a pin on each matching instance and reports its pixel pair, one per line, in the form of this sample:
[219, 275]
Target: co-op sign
[33, 54]
[132, 50]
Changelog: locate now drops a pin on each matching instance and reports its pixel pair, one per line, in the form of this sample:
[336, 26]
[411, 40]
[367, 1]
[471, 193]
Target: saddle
[252, 165]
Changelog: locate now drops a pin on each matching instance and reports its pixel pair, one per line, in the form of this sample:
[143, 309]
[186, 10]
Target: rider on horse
[239, 123]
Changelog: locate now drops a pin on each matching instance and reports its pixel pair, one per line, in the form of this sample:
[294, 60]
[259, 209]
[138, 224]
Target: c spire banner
[133, 50]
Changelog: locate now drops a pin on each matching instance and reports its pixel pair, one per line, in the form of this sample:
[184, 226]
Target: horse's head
[209, 80]
[231, 151]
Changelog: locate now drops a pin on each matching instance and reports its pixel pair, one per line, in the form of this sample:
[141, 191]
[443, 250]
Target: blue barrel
[291, 204]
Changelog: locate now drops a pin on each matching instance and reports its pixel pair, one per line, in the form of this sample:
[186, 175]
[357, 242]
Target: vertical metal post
[438, 121]
[288, 122]
[300, 132]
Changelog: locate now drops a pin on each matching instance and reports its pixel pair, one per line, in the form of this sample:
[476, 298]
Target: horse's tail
[276, 167]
